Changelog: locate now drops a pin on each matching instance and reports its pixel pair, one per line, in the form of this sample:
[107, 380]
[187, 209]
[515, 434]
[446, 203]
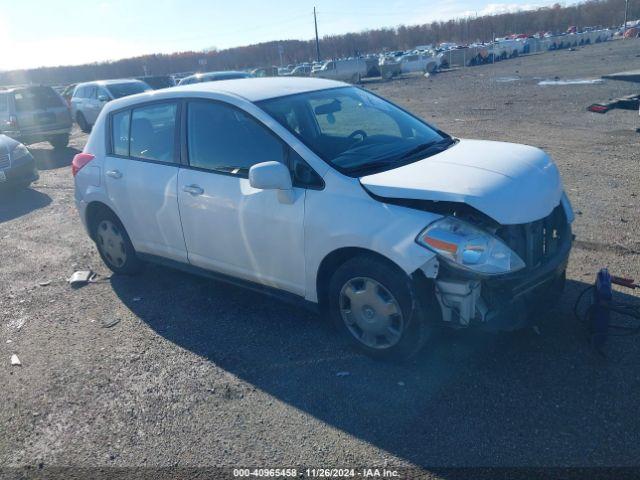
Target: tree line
[605, 13]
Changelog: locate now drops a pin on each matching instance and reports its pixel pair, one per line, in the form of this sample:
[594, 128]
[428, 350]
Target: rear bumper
[40, 135]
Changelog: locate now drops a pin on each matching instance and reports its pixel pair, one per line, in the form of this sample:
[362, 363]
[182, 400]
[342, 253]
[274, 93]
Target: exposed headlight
[469, 247]
[20, 151]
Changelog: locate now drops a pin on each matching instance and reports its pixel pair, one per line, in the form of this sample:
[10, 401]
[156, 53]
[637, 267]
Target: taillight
[12, 123]
[79, 161]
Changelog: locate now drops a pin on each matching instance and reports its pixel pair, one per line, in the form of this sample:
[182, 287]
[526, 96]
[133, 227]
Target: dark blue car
[17, 165]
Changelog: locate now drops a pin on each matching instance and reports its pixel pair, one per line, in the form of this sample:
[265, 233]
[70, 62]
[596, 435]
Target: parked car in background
[35, 114]
[349, 70]
[325, 193]
[389, 66]
[301, 71]
[89, 98]
[17, 165]
[158, 81]
[265, 72]
[419, 62]
[214, 77]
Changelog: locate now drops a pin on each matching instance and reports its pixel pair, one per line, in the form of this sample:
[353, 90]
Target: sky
[37, 33]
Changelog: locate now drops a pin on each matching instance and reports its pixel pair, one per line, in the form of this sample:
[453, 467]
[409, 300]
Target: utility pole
[626, 13]
[315, 22]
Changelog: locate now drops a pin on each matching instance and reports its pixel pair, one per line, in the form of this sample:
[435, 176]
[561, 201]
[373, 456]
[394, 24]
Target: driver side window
[227, 140]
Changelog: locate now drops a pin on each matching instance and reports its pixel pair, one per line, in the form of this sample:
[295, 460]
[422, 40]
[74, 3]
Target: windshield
[355, 131]
[119, 90]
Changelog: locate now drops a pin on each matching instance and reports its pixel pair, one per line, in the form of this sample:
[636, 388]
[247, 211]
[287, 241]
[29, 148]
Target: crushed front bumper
[505, 302]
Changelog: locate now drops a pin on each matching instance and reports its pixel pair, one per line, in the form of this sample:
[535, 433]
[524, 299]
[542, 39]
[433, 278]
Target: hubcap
[111, 243]
[371, 313]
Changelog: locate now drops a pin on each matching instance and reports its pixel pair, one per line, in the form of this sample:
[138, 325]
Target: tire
[82, 123]
[114, 245]
[59, 141]
[372, 304]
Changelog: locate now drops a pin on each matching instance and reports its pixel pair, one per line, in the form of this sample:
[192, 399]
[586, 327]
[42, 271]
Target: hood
[510, 183]
[7, 143]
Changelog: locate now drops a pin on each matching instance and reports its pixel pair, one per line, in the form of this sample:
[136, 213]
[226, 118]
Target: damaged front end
[506, 294]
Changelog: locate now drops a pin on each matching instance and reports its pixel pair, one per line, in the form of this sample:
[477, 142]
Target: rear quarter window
[120, 133]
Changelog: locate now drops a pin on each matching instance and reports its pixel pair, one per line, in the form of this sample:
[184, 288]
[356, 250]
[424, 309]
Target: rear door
[40, 108]
[141, 174]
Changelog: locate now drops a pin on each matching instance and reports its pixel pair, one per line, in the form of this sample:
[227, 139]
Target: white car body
[279, 238]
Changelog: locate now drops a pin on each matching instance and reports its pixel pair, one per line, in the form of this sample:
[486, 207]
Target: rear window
[36, 98]
[119, 90]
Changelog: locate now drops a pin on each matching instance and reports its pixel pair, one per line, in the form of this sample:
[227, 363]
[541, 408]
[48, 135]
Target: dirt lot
[200, 373]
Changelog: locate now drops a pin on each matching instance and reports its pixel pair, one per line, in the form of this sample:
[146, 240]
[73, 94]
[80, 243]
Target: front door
[229, 226]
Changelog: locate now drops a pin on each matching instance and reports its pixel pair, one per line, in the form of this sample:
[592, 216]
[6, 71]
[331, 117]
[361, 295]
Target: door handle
[194, 190]
[114, 173]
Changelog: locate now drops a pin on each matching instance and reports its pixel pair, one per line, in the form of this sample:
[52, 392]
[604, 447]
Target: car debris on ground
[15, 361]
[82, 277]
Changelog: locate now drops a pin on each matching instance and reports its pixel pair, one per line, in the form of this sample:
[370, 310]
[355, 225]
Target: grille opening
[536, 242]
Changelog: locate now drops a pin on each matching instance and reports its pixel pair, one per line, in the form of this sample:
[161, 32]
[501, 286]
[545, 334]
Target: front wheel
[114, 246]
[372, 304]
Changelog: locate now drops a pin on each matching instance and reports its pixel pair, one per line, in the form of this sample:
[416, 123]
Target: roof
[110, 82]
[257, 89]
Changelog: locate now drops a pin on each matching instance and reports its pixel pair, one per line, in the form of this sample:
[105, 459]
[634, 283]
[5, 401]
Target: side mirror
[273, 176]
[270, 176]
[103, 98]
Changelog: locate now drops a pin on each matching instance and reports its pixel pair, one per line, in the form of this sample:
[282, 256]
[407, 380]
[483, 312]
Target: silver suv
[89, 98]
[34, 114]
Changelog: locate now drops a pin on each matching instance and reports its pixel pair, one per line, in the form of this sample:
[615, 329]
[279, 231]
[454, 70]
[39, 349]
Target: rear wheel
[114, 245]
[82, 122]
[59, 141]
[372, 304]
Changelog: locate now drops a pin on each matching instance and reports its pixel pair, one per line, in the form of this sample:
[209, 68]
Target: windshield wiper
[398, 161]
[372, 167]
[439, 145]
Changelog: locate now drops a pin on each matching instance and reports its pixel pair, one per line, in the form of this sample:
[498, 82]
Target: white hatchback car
[326, 193]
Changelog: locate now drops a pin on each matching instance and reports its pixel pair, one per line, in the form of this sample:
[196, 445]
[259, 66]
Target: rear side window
[153, 132]
[120, 133]
[225, 139]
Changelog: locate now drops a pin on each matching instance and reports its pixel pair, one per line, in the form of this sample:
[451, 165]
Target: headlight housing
[469, 247]
[19, 152]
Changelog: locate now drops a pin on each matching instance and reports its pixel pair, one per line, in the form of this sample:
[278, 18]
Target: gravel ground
[199, 373]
